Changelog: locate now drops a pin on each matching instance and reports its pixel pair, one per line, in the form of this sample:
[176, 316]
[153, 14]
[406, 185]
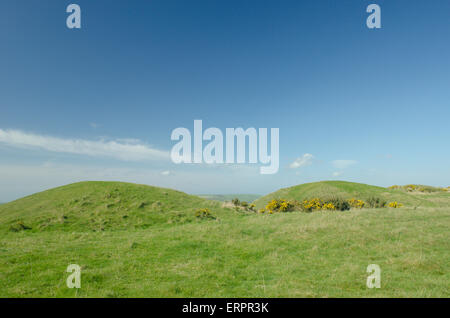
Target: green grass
[162, 250]
[228, 197]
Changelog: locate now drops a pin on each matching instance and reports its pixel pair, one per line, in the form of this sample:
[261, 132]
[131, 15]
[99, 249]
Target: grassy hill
[348, 190]
[140, 241]
[99, 206]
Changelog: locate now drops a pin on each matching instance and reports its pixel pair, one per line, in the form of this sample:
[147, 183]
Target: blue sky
[100, 103]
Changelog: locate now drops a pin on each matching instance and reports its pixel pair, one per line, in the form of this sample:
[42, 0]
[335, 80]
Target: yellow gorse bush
[328, 206]
[411, 187]
[313, 204]
[417, 188]
[395, 205]
[355, 203]
[408, 187]
[317, 204]
[272, 205]
[279, 205]
[204, 213]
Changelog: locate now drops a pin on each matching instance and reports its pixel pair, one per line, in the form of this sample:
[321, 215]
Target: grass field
[140, 241]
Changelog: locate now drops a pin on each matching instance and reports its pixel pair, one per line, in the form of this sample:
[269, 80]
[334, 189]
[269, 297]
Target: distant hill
[229, 197]
[326, 189]
[99, 206]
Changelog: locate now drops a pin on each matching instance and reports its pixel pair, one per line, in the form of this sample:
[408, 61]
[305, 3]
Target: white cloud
[337, 173]
[305, 160]
[165, 173]
[343, 164]
[128, 150]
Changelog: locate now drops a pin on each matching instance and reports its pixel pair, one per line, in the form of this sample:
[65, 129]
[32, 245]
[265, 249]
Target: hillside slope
[98, 206]
[347, 190]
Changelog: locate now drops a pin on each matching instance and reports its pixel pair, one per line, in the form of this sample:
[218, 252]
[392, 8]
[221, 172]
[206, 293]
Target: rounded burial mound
[98, 206]
[346, 190]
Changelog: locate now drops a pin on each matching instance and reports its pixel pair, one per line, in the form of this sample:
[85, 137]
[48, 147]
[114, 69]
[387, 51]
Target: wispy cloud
[128, 150]
[337, 173]
[343, 164]
[165, 173]
[305, 160]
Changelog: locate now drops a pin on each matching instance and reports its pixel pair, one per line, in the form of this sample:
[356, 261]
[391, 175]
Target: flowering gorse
[280, 205]
[355, 203]
[395, 205]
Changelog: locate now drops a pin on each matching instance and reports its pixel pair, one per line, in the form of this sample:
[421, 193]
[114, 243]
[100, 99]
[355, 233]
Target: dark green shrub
[19, 226]
[134, 245]
[142, 205]
[236, 201]
[374, 202]
[340, 204]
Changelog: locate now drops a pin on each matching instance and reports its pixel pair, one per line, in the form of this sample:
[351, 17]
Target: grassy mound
[99, 206]
[348, 190]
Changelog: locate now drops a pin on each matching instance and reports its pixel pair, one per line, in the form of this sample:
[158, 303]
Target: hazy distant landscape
[229, 197]
[140, 241]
